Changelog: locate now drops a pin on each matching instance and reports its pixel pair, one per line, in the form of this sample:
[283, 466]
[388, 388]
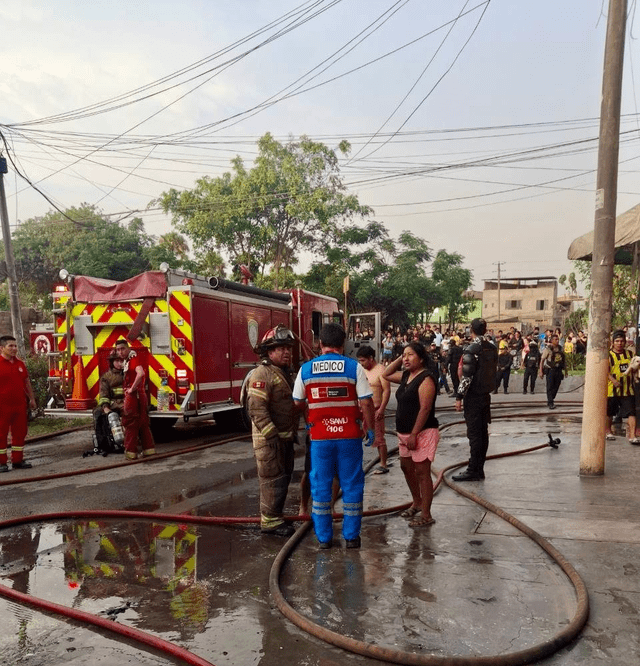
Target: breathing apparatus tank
[116, 428]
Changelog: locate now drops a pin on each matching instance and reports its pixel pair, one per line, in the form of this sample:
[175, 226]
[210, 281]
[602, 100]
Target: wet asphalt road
[469, 585]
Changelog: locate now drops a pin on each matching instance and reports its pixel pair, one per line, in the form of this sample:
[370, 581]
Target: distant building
[522, 302]
[567, 304]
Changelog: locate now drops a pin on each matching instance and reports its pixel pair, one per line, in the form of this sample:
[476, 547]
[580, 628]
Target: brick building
[523, 302]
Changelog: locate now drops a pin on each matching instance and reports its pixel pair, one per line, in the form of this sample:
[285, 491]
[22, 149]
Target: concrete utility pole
[592, 447]
[12, 279]
[499, 264]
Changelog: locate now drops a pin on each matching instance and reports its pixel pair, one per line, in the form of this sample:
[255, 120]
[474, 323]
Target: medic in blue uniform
[335, 390]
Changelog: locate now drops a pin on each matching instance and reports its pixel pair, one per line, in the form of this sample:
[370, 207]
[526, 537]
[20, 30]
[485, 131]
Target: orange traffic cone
[80, 396]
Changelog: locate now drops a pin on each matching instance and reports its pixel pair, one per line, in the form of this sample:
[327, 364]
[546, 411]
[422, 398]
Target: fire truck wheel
[230, 420]
[162, 429]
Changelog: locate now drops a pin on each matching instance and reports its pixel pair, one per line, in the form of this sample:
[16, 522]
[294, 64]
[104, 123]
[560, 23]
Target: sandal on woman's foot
[410, 512]
[381, 470]
[422, 522]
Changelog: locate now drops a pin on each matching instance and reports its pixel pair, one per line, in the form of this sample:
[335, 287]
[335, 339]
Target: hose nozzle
[553, 443]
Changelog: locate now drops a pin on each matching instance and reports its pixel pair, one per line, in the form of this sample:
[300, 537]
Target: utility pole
[499, 264]
[12, 279]
[592, 449]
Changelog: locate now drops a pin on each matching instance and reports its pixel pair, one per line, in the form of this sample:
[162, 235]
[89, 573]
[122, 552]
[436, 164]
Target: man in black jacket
[553, 364]
[453, 361]
[531, 363]
[479, 363]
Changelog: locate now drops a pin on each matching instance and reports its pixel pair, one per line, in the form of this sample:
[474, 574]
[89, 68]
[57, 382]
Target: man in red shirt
[15, 392]
[135, 417]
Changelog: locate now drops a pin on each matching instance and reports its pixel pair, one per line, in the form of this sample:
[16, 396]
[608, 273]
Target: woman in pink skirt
[417, 426]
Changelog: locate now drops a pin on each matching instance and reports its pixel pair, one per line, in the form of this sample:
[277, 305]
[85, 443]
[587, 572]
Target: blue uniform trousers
[344, 458]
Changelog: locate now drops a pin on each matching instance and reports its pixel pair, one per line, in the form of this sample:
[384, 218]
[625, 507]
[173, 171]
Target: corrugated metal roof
[627, 233]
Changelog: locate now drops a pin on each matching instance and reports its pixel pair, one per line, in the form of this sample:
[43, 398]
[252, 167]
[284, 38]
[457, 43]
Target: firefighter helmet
[280, 336]
[113, 357]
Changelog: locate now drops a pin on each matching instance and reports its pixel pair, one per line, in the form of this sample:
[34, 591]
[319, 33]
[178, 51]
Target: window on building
[541, 305]
[513, 305]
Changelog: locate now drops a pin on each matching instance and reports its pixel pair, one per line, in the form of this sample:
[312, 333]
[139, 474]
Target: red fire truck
[194, 335]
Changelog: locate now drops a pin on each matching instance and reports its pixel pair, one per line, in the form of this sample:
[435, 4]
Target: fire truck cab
[195, 336]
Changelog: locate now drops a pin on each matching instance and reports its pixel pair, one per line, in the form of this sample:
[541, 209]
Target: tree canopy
[291, 200]
[451, 282]
[92, 245]
[385, 275]
[393, 276]
[623, 303]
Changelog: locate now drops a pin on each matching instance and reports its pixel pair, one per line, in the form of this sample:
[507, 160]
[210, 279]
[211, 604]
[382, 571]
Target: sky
[473, 124]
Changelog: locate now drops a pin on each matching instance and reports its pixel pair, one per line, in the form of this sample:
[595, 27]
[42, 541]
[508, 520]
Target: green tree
[385, 275]
[92, 245]
[171, 248]
[451, 282]
[4, 296]
[291, 200]
[570, 281]
[562, 280]
[625, 287]
[573, 284]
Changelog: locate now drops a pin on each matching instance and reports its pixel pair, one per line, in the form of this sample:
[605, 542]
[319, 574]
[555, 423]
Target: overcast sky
[478, 134]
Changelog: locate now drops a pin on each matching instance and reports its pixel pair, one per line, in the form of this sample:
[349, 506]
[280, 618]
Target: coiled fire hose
[520, 658]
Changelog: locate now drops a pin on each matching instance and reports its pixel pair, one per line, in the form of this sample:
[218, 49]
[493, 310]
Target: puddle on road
[206, 588]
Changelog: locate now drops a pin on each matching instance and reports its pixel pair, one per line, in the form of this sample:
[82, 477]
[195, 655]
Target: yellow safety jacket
[618, 363]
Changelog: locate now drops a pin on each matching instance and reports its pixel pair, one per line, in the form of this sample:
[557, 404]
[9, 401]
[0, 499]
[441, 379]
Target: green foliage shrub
[38, 368]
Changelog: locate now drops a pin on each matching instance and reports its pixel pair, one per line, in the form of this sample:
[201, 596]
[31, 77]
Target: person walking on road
[479, 363]
[334, 388]
[620, 389]
[531, 364]
[553, 364]
[15, 394]
[417, 426]
[274, 424]
[504, 366]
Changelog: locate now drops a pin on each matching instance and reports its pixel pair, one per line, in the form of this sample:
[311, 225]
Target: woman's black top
[409, 404]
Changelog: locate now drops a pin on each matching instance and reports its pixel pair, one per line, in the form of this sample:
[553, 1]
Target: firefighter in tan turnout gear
[111, 395]
[272, 413]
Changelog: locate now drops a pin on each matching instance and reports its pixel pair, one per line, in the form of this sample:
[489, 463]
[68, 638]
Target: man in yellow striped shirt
[620, 398]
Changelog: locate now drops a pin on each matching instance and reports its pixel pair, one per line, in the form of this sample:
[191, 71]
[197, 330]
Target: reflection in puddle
[144, 574]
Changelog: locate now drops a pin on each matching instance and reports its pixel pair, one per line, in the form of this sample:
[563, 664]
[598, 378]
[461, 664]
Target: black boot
[282, 530]
[468, 475]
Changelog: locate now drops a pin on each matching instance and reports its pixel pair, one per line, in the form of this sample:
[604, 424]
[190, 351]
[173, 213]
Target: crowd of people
[535, 353]
[342, 398]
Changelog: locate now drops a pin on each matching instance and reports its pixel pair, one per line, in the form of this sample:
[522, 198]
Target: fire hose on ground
[519, 658]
